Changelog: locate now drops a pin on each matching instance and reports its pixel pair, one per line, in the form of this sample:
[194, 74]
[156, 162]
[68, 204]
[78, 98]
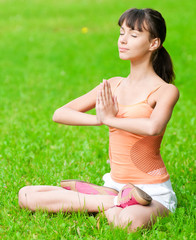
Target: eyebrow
[130, 29]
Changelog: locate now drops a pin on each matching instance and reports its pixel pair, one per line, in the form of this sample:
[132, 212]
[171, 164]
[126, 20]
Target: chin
[124, 57]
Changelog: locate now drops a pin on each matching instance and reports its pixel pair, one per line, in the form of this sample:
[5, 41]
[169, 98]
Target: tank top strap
[152, 92]
[117, 86]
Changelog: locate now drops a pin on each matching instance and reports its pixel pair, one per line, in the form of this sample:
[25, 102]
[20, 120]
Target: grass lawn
[54, 51]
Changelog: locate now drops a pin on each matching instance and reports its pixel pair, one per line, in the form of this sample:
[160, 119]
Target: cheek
[118, 42]
[140, 47]
[140, 43]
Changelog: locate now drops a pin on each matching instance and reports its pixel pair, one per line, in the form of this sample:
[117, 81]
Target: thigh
[32, 190]
[141, 216]
[54, 199]
[39, 188]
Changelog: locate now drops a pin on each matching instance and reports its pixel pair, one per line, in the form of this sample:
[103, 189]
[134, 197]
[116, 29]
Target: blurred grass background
[54, 51]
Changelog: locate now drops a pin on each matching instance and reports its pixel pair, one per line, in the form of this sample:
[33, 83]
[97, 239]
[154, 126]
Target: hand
[106, 104]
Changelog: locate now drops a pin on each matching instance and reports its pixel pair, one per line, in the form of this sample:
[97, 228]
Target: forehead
[142, 28]
[134, 19]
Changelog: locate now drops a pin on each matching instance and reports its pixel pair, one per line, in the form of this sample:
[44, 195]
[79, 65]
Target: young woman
[136, 109]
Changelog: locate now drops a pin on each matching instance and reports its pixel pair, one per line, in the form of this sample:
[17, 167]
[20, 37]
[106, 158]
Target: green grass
[45, 61]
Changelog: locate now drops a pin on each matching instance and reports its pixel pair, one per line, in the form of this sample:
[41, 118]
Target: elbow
[155, 130]
[55, 116]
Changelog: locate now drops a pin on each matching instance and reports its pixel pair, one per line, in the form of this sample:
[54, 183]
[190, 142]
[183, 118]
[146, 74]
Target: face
[133, 44]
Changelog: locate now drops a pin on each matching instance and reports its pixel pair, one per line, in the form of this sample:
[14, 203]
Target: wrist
[98, 122]
[107, 121]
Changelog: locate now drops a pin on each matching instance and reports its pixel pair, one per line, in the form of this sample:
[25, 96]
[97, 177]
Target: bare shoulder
[114, 81]
[169, 92]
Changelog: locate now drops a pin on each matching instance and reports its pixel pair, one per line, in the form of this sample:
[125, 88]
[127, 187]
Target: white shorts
[161, 192]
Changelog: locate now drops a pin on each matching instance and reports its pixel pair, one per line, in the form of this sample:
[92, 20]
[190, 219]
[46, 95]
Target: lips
[123, 49]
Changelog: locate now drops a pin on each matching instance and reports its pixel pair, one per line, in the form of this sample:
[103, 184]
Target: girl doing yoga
[136, 109]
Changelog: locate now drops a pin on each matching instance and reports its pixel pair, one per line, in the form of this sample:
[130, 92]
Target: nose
[123, 39]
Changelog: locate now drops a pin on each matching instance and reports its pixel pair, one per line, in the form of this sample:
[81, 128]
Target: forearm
[69, 116]
[140, 126]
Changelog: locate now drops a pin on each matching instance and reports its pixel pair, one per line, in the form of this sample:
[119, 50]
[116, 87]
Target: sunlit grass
[54, 51]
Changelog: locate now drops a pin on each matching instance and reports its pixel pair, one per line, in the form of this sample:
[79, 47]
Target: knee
[131, 221]
[22, 197]
[112, 215]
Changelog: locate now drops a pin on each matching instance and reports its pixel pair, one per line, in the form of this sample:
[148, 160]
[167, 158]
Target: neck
[140, 72]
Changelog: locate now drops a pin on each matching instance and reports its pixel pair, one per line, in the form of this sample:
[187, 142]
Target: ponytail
[162, 65]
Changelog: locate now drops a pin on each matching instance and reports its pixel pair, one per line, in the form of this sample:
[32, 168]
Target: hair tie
[161, 46]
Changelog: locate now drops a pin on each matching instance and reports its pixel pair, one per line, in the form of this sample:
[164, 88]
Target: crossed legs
[136, 215]
[54, 199]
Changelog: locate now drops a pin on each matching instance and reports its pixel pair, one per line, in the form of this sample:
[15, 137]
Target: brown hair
[154, 22]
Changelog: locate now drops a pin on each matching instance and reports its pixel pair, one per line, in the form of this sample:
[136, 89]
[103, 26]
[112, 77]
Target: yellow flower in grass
[84, 30]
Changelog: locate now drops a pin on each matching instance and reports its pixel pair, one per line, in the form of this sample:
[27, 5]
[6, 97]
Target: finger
[102, 96]
[109, 92]
[97, 98]
[105, 91]
[97, 108]
[116, 104]
[100, 87]
[98, 93]
[115, 101]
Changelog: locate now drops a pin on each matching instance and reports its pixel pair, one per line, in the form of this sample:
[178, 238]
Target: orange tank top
[136, 158]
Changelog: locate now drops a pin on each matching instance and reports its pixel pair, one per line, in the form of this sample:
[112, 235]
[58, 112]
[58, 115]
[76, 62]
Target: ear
[155, 43]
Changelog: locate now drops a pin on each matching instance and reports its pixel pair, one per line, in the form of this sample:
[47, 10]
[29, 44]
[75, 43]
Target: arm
[143, 126]
[73, 113]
